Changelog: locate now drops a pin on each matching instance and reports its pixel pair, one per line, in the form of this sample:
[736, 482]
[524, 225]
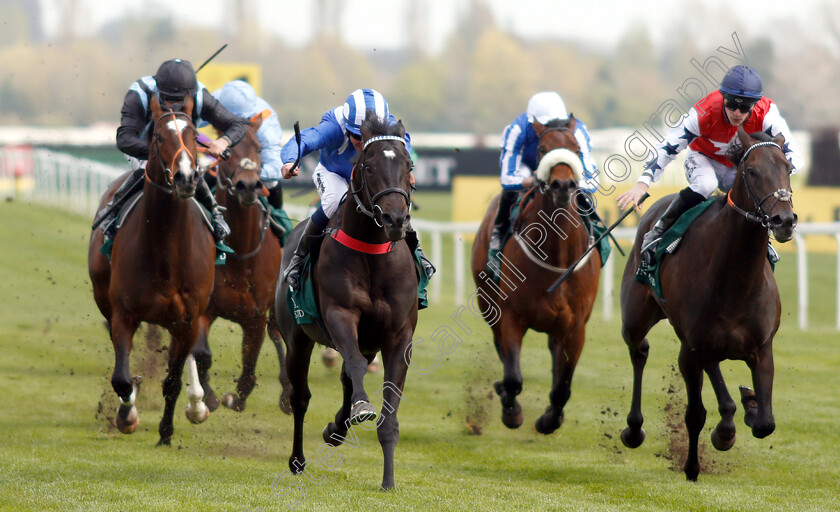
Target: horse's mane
[736, 151]
[381, 126]
[560, 123]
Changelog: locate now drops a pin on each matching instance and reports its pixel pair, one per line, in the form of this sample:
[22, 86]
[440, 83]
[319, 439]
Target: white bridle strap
[758, 145]
[382, 137]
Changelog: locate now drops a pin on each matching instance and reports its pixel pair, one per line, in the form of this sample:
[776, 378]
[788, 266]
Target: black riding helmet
[176, 79]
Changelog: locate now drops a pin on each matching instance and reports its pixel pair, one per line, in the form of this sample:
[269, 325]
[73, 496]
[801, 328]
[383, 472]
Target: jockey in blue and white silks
[338, 139]
[241, 100]
[519, 157]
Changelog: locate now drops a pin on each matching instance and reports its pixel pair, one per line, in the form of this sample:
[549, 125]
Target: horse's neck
[565, 234]
[741, 250]
[164, 215]
[245, 222]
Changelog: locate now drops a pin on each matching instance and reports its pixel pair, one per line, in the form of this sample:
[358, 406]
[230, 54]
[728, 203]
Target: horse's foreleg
[280, 347]
[343, 326]
[182, 341]
[634, 435]
[297, 365]
[122, 334]
[695, 413]
[723, 436]
[253, 334]
[759, 408]
[564, 357]
[335, 432]
[391, 394]
[204, 360]
[197, 411]
[508, 341]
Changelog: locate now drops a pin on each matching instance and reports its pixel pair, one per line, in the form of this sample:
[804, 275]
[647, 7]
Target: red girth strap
[357, 245]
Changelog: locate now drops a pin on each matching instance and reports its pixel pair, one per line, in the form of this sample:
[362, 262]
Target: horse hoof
[296, 465]
[762, 431]
[232, 402]
[691, 472]
[548, 422]
[631, 438]
[512, 416]
[722, 442]
[164, 441]
[286, 403]
[329, 357]
[197, 412]
[211, 400]
[497, 386]
[362, 411]
[329, 430]
[127, 419]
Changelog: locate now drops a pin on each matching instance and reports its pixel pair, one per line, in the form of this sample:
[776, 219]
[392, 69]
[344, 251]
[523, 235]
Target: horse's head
[762, 190]
[172, 148]
[560, 167]
[240, 174]
[381, 182]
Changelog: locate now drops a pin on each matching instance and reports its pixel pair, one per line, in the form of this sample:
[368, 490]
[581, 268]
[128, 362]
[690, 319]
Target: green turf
[58, 452]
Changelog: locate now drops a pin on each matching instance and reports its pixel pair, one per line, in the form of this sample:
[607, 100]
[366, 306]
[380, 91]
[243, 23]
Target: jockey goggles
[743, 105]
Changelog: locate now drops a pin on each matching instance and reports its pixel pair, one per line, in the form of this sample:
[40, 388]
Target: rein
[375, 211]
[758, 215]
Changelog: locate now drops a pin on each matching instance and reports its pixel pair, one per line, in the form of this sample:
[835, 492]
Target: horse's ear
[744, 139]
[154, 105]
[365, 128]
[780, 140]
[538, 127]
[256, 121]
[189, 104]
[401, 127]
[571, 123]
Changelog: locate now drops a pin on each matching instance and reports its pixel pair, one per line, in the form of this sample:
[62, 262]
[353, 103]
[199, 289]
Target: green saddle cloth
[278, 217]
[304, 308]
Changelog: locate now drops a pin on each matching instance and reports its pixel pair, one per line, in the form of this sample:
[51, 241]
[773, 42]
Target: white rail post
[802, 278]
[837, 324]
[437, 260]
[458, 239]
[607, 287]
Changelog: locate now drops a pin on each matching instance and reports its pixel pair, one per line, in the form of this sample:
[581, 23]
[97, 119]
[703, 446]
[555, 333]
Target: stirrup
[292, 274]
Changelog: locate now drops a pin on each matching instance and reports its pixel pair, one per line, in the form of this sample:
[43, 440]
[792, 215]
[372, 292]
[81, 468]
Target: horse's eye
[750, 171]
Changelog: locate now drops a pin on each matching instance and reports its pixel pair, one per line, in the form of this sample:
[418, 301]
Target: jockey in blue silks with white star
[519, 158]
[241, 100]
[339, 139]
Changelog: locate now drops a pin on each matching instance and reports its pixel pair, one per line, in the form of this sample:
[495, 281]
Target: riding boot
[413, 242]
[292, 273]
[502, 222]
[275, 197]
[220, 228]
[108, 224]
[684, 201]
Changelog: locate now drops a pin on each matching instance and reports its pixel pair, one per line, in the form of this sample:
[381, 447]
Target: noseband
[542, 185]
[758, 214]
[375, 211]
[167, 171]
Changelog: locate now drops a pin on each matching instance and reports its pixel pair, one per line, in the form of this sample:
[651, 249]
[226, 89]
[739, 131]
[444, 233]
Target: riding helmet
[358, 103]
[176, 79]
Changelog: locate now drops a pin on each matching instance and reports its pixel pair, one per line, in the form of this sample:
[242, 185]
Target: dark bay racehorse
[161, 268]
[720, 296]
[368, 301]
[244, 288]
[549, 236]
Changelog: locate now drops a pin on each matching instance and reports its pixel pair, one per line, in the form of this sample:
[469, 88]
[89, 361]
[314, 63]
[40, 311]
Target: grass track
[58, 454]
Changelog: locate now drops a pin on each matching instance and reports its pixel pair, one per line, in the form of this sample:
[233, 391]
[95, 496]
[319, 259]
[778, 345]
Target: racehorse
[244, 287]
[549, 236]
[366, 287]
[720, 296]
[161, 269]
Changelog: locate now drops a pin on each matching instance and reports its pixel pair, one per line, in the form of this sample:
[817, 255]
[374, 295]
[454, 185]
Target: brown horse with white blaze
[161, 268]
[244, 289]
[719, 294]
[548, 238]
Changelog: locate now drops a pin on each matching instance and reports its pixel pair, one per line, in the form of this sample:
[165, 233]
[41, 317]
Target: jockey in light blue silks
[241, 100]
[338, 138]
[519, 158]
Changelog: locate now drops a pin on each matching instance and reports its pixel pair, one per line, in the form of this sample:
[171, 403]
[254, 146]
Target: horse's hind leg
[253, 334]
[122, 333]
[280, 347]
[695, 413]
[758, 406]
[508, 340]
[634, 435]
[297, 364]
[204, 360]
[723, 436]
[564, 357]
[335, 431]
[182, 341]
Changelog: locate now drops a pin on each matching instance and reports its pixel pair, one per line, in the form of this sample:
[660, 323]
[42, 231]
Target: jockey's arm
[132, 124]
[230, 126]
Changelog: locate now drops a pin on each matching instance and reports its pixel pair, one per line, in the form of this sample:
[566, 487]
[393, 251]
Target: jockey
[339, 139]
[174, 80]
[240, 99]
[709, 129]
[519, 158]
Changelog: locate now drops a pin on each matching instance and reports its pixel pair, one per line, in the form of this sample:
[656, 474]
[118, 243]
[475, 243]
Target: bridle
[226, 179]
[167, 171]
[758, 214]
[375, 212]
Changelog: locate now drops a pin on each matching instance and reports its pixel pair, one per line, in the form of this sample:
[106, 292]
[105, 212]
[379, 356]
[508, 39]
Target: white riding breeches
[331, 188]
[704, 175]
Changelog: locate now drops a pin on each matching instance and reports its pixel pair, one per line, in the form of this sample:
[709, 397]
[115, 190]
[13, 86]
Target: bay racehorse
[366, 286]
[244, 289]
[549, 236]
[161, 268]
[720, 296]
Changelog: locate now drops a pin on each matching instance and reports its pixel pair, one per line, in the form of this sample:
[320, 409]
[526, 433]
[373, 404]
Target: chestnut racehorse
[719, 295]
[368, 299]
[161, 268]
[244, 288]
[549, 236]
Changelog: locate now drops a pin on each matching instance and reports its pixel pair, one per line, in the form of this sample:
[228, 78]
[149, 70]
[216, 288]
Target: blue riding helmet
[238, 97]
[358, 103]
[741, 84]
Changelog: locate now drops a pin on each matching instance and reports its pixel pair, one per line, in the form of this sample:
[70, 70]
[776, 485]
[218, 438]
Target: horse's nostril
[239, 186]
